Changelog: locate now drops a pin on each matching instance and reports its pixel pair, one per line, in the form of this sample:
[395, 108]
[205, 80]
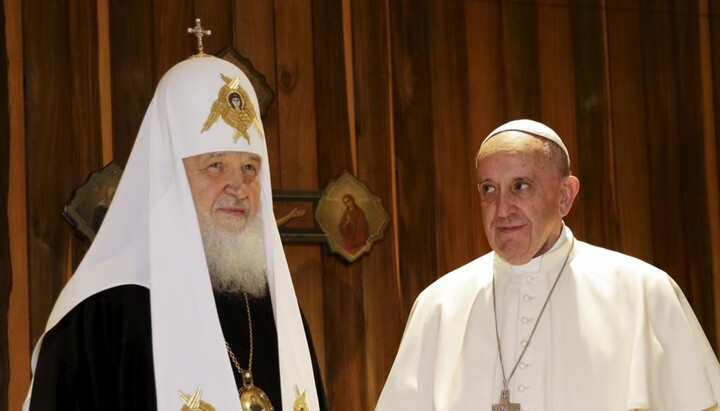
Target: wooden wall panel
[331, 97]
[131, 70]
[697, 272]
[345, 374]
[6, 279]
[486, 99]
[298, 149]
[86, 137]
[171, 40]
[714, 28]
[662, 96]
[415, 162]
[675, 150]
[383, 322]
[341, 325]
[48, 115]
[596, 201]
[557, 82]
[710, 130]
[455, 178]
[18, 311]
[57, 133]
[520, 59]
[215, 14]
[625, 72]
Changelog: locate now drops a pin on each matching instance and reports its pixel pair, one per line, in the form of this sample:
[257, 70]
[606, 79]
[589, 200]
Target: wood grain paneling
[697, 271]
[85, 140]
[6, 279]
[711, 147]
[53, 87]
[298, 149]
[172, 42]
[557, 82]
[215, 15]
[714, 28]
[520, 59]
[343, 336]
[486, 99]
[596, 200]
[18, 310]
[414, 147]
[382, 306]
[104, 83]
[131, 70]
[625, 70]
[663, 126]
[331, 99]
[454, 176]
[345, 343]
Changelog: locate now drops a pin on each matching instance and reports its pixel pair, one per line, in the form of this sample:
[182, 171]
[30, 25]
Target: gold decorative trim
[236, 109]
[194, 403]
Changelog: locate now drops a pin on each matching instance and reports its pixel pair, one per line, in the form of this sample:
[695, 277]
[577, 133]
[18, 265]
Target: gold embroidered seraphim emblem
[236, 109]
[193, 402]
[300, 404]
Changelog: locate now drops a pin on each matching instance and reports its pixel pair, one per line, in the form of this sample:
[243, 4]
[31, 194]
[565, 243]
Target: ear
[568, 190]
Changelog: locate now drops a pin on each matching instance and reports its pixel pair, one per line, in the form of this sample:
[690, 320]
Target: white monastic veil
[150, 237]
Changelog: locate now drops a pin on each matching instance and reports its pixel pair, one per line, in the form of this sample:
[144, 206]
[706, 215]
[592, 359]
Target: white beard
[236, 259]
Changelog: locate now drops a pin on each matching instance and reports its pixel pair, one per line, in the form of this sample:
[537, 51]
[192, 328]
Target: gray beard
[236, 259]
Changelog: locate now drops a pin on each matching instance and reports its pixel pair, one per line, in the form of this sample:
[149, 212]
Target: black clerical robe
[99, 356]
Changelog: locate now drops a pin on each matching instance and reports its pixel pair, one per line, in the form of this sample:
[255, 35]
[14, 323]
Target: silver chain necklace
[504, 404]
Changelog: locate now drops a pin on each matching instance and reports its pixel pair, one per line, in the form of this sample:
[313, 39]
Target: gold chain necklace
[504, 404]
[252, 398]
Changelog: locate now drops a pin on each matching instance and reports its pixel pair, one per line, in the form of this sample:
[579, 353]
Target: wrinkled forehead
[195, 98]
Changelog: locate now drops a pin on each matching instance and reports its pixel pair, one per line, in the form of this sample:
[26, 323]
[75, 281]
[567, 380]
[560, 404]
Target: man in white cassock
[184, 300]
[546, 321]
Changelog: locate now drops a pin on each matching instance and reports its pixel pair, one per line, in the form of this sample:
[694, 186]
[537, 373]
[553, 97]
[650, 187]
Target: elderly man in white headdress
[545, 321]
[184, 300]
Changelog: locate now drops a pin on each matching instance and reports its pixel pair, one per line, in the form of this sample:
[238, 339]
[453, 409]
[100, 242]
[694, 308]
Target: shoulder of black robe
[99, 356]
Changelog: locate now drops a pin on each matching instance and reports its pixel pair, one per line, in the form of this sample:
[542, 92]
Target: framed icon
[351, 217]
[88, 204]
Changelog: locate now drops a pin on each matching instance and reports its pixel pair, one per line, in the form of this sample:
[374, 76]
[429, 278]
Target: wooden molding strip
[105, 85]
[19, 312]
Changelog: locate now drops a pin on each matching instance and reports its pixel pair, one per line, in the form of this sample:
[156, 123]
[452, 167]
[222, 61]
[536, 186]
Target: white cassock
[618, 334]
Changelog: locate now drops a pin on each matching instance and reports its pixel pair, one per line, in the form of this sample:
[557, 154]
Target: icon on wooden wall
[88, 204]
[351, 217]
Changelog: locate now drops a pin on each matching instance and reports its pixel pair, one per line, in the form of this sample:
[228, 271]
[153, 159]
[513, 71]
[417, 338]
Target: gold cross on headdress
[199, 33]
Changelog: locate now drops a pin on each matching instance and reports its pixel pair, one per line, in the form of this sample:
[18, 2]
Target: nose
[236, 185]
[505, 204]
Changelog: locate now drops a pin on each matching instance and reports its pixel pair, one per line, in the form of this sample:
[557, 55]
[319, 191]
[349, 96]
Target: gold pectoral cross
[505, 404]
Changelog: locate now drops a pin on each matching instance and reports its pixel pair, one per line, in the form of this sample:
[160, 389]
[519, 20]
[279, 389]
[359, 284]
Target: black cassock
[99, 356]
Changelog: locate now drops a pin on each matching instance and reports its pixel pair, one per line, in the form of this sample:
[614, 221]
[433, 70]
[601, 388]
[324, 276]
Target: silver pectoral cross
[504, 404]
